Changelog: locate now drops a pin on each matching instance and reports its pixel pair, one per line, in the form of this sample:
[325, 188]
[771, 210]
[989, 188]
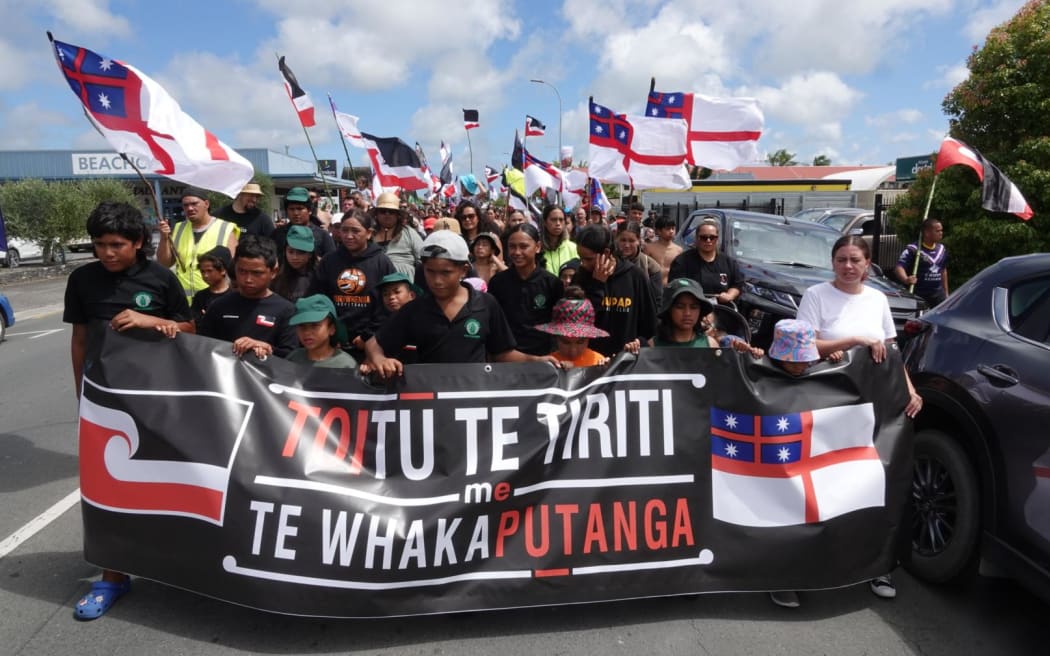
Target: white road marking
[36, 334]
[38, 523]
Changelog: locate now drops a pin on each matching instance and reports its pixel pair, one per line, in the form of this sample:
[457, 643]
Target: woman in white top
[847, 313]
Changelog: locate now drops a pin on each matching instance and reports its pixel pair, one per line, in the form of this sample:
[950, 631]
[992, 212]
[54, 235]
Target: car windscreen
[767, 242]
[837, 221]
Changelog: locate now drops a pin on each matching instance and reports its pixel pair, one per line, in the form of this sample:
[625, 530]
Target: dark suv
[981, 361]
[780, 259]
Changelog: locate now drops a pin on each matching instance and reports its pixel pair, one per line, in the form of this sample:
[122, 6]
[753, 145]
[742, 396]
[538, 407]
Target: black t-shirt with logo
[266, 319]
[715, 277]
[350, 281]
[94, 294]
[420, 331]
[526, 303]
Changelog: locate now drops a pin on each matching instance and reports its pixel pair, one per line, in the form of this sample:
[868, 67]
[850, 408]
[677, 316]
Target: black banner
[466, 487]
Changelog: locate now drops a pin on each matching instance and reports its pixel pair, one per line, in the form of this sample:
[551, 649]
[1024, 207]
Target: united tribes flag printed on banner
[794, 468]
[140, 120]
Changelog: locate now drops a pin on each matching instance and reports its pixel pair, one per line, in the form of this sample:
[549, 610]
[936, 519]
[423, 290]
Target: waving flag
[517, 156]
[139, 119]
[446, 164]
[533, 127]
[998, 193]
[574, 187]
[431, 178]
[794, 468]
[640, 150]
[491, 175]
[347, 126]
[596, 196]
[304, 107]
[395, 163]
[514, 181]
[540, 175]
[723, 132]
[470, 119]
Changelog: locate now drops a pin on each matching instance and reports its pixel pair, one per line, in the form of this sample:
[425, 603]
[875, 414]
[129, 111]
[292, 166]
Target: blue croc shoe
[100, 599]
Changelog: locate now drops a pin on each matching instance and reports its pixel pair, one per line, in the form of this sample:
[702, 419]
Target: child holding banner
[572, 325]
[453, 323]
[123, 289]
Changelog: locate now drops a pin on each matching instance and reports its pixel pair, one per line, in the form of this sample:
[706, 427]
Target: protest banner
[468, 487]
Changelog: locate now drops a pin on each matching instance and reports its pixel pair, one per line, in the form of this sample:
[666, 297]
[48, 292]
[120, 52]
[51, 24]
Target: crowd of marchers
[382, 283]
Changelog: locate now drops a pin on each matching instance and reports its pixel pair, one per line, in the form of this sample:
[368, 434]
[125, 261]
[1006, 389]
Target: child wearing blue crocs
[121, 290]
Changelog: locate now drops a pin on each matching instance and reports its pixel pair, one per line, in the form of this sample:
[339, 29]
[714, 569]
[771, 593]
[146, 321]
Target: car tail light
[913, 327]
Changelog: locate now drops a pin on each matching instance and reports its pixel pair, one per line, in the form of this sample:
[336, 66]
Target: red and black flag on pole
[998, 193]
[533, 127]
[470, 119]
[304, 107]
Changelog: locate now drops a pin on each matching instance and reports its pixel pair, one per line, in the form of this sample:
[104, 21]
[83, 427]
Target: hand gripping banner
[469, 487]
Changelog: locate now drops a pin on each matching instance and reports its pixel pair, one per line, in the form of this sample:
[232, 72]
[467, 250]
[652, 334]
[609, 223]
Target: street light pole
[559, 112]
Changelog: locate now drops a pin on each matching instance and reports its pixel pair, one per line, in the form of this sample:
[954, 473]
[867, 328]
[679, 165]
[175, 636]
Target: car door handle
[1000, 373]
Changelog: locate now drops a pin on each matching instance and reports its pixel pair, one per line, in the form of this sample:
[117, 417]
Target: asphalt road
[43, 575]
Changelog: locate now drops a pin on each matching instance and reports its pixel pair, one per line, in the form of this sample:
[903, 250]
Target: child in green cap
[320, 334]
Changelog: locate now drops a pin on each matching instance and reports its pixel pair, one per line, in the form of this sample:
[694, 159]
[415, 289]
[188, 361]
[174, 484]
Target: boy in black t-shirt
[215, 268]
[453, 323]
[122, 290]
[252, 316]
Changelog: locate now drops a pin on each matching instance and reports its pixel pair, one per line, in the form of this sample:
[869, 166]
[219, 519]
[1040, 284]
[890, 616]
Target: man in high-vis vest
[198, 234]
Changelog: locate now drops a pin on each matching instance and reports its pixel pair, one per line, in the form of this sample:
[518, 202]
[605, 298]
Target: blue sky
[859, 82]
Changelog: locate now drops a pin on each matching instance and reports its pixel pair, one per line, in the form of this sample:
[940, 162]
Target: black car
[981, 361]
[780, 259]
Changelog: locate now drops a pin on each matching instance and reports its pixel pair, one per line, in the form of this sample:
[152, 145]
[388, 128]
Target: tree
[53, 213]
[1000, 110]
[821, 160]
[781, 158]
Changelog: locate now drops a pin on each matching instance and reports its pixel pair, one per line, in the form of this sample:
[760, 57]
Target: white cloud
[950, 77]
[89, 17]
[808, 98]
[376, 46]
[895, 118]
[983, 20]
[16, 67]
[25, 126]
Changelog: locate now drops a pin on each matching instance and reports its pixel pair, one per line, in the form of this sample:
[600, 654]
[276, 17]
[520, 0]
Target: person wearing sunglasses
[716, 272]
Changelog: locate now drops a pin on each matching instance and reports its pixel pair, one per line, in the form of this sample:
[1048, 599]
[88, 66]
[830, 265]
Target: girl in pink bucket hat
[572, 324]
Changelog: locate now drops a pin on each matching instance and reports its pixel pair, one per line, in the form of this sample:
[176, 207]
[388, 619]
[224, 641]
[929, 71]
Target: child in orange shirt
[572, 324]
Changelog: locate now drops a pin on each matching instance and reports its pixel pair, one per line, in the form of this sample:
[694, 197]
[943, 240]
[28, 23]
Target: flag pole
[470, 149]
[341, 137]
[317, 167]
[918, 242]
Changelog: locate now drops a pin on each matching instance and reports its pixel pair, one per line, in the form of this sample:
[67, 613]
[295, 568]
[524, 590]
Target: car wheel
[3, 328]
[946, 505]
[13, 259]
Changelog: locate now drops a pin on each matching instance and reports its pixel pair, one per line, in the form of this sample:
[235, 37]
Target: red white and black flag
[300, 99]
[533, 127]
[998, 193]
[396, 164]
[470, 119]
